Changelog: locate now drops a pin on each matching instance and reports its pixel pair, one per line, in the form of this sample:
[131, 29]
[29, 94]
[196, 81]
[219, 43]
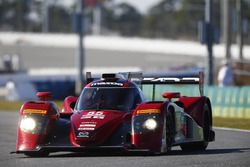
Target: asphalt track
[55, 57]
[231, 149]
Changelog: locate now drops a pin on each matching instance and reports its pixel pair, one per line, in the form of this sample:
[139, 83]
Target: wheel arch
[210, 110]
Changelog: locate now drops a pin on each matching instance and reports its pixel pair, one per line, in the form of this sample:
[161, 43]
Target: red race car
[112, 114]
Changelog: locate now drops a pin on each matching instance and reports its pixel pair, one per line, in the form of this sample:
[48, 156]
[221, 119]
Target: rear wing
[136, 77]
[197, 78]
[156, 79]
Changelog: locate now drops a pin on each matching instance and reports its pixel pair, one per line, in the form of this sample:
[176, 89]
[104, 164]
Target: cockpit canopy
[109, 98]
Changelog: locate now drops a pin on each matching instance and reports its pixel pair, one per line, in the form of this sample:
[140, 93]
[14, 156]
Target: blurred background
[47, 45]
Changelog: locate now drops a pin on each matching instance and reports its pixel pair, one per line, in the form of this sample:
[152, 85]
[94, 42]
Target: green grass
[10, 106]
[238, 123]
[16, 105]
[217, 121]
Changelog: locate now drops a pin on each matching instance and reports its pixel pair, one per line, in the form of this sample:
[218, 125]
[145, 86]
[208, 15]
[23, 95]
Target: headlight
[27, 124]
[150, 124]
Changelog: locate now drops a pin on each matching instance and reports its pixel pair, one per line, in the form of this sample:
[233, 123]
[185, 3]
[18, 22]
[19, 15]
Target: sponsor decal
[94, 115]
[86, 129]
[83, 135]
[106, 84]
[163, 79]
[93, 123]
[84, 126]
[34, 111]
[149, 111]
[87, 125]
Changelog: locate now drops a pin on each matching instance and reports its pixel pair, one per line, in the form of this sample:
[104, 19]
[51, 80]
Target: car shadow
[122, 154]
[209, 151]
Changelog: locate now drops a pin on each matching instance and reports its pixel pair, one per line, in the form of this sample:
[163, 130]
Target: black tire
[170, 131]
[207, 126]
[37, 154]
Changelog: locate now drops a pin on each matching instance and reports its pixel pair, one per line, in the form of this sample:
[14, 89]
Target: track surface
[43, 57]
[231, 148]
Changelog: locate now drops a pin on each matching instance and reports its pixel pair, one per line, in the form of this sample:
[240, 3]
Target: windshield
[122, 99]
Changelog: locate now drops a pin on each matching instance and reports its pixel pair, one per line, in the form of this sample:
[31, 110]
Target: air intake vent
[112, 76]
[109, 76]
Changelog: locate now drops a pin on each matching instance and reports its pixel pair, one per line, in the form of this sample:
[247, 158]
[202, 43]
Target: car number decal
[93, 114]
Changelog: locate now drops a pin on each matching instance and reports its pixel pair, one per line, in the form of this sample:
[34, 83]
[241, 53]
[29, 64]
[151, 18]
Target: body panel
[112, 113]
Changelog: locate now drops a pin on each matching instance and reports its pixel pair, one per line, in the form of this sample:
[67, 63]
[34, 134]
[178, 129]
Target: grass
[10, 106]
[16, 105]
[238, 123]
[217, 121]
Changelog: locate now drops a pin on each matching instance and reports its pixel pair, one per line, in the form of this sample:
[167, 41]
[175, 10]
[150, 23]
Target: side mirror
[44, 96]
[69, 104]
[170, 95]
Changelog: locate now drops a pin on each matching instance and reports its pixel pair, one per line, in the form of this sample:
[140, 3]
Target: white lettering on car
[91, 129]
[83, 134]
[94, 114]
[107, 83]
[87, 125]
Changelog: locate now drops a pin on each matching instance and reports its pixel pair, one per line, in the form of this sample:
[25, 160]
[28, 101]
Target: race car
[112, 114]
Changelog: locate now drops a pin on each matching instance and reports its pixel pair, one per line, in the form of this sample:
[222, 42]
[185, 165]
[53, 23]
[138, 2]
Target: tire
[207, 126]
[169, 131]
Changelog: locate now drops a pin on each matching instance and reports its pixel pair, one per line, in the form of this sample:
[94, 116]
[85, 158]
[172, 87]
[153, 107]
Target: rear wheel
[207, 126]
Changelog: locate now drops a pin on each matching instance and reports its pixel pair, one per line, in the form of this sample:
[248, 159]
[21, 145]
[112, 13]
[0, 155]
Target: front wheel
[170, 130]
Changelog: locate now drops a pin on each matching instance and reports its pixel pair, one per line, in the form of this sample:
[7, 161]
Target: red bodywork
[27, 140]
[68, 105]
[194, 106]
[152, 139]
[73, 129]
[171, 95]
[105, 123]
[98, 124]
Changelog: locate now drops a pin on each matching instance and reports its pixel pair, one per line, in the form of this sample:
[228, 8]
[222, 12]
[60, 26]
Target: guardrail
[227, 102]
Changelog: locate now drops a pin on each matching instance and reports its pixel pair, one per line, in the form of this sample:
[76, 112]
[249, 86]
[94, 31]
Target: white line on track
[232, 129]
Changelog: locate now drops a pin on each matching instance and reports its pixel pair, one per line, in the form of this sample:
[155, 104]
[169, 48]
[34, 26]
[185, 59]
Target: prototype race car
[112, 114]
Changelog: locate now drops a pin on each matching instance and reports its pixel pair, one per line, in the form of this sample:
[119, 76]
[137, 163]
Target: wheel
[37, 154]
[207, 120]
[207, 126]
[170, 130]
